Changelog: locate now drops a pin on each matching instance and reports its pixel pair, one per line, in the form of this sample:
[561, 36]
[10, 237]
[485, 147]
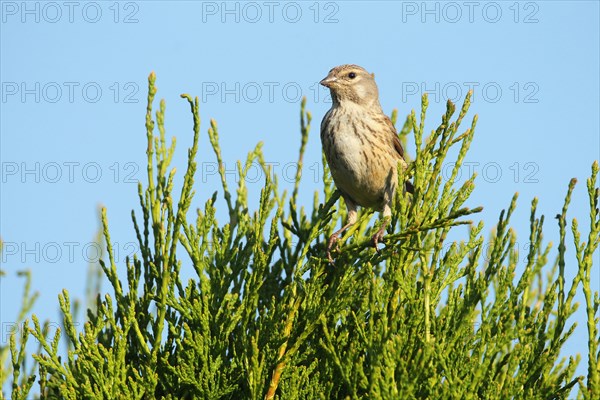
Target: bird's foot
[378, 237]
[330, 244]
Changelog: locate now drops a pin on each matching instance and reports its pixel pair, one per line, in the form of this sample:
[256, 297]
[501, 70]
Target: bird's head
[351, 83]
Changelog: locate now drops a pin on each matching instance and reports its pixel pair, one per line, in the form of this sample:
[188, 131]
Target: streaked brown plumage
[361, 146]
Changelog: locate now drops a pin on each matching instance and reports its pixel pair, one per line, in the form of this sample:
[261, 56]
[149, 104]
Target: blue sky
[73, 98]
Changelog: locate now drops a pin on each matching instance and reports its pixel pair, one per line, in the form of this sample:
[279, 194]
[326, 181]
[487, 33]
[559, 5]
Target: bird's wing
[399, 149]
[394, 135]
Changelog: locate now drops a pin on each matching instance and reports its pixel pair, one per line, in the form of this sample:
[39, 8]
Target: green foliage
[266, 316]
[22, 380]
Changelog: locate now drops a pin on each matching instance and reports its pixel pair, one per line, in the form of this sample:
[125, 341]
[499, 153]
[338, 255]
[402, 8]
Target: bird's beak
[328, 81]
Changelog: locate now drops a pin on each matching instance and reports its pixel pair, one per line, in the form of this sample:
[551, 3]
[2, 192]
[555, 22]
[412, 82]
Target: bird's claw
[378, 237]
[330, 244]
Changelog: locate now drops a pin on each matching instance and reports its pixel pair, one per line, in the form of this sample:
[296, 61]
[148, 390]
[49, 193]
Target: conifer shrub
[266, 315]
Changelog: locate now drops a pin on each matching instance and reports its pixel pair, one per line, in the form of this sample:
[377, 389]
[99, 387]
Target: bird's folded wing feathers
[399, 149]
[396, 141]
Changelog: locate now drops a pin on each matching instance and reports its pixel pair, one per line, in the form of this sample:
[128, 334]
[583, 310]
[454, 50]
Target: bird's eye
[352, 75]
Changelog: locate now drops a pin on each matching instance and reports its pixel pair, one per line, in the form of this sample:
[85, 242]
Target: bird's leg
[387, 217]
[351, 220]
[336, 236]
[386, 212]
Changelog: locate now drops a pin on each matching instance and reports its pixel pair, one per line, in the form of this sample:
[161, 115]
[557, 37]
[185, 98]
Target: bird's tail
[409, 187]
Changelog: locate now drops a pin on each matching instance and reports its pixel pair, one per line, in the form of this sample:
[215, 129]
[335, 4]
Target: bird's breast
[359, 157]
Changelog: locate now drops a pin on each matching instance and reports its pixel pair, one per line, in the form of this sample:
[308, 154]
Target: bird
[361, 146]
